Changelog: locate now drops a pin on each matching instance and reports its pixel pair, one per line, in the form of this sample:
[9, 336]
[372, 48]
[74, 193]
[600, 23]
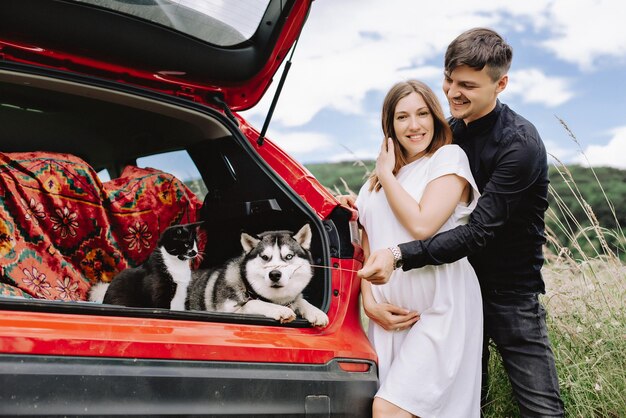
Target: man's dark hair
[478, 48]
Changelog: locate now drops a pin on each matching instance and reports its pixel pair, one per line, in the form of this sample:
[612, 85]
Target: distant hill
[568, 191]
[333, 175]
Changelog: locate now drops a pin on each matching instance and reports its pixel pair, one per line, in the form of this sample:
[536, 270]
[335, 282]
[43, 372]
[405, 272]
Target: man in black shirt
[505, 233]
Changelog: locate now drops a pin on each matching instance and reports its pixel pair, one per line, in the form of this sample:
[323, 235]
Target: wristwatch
[397, 256]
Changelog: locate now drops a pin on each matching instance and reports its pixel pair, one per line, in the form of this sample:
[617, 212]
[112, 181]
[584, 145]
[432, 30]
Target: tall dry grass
[586, 318]
[586, 305]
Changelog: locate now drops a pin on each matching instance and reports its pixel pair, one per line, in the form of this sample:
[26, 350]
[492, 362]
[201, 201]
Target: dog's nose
[275, 275]
[192, 253]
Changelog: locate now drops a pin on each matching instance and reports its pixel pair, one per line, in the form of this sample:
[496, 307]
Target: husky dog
[161, 281]
[266, 279]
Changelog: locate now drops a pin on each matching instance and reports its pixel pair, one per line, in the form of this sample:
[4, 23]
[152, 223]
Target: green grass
[342, 177]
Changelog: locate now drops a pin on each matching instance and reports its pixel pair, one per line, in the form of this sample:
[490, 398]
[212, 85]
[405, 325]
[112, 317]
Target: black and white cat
[161, 281]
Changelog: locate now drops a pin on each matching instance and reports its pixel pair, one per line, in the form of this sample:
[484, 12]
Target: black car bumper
[81, 386]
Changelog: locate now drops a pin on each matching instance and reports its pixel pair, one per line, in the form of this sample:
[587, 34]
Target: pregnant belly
[413, 290]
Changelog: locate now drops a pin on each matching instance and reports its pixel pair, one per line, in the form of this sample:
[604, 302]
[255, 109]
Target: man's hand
[391, 317]
[378, 267]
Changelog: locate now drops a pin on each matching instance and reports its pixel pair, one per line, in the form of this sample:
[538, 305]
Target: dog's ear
[248, 242]
[303, 236]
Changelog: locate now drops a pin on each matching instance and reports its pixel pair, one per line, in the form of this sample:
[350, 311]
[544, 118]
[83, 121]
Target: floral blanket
[62, 229]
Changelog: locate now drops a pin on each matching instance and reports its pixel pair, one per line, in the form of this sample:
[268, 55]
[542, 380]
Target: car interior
[111, 130]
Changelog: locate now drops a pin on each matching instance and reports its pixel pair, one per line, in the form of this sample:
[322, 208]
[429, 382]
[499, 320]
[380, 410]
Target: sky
[569, 63]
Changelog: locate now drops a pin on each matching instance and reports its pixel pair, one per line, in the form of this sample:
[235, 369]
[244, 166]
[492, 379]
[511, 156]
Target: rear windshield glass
[219, 22]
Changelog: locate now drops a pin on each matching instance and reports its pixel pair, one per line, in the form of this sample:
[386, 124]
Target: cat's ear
[303, 236]
[248, 242]
[194, 224]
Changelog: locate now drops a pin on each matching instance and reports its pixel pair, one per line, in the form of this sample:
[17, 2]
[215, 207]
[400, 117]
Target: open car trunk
[56, 135]
[116, 122]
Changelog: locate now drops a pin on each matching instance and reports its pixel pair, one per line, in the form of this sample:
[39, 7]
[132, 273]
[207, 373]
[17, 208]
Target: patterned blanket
[62, 229]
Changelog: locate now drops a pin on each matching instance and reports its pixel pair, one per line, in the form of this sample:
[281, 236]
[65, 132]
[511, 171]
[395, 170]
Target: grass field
[586, 305]
[586, 323]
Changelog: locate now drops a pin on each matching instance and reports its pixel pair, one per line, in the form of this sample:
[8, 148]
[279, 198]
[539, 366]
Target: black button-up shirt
[505, 233]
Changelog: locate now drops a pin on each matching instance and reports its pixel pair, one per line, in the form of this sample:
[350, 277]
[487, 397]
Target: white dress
[432, 369]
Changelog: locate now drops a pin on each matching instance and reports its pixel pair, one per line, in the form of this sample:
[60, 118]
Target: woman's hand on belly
[390, 317]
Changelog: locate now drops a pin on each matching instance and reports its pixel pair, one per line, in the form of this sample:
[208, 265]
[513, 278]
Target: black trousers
[516, 323]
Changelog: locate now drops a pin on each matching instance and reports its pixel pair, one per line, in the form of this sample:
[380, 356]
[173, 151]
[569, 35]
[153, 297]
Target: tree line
[587, 205]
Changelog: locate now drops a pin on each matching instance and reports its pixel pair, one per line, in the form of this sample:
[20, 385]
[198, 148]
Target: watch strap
[397, 256]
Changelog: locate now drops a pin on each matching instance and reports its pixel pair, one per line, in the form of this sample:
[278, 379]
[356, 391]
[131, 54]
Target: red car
[118, 118]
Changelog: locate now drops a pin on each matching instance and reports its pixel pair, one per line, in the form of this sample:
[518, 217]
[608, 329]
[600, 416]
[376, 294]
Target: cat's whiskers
[199, 256]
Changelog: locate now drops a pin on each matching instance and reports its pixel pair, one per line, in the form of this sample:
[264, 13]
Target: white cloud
[301, 142]
[611, 154]
[354, 155]
[351, 47]
[586, 31]
[560, 153]
[533, 86]
[316, 147]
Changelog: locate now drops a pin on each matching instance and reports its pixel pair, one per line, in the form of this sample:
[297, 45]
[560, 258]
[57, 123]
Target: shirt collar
[463, 132]
[486, 122]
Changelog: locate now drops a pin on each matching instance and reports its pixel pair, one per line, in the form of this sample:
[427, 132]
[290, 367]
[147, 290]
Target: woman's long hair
[441, 136]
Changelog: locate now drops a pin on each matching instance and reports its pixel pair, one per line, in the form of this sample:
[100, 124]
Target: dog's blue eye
[288, 256]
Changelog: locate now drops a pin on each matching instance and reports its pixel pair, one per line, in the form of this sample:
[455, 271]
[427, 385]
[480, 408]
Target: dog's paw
[281, 313]
[316, 317]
